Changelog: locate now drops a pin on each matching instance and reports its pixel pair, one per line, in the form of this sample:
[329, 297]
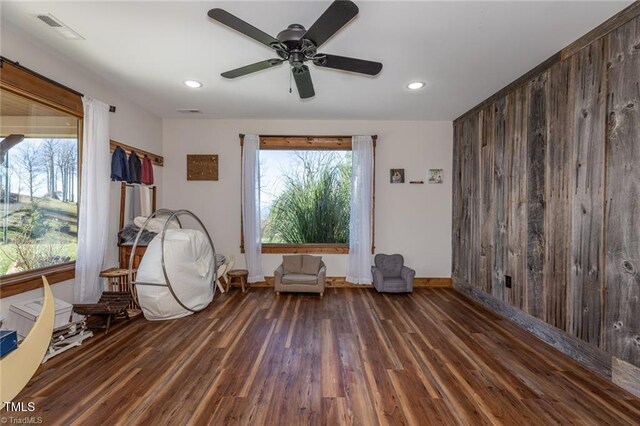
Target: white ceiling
[464, 51]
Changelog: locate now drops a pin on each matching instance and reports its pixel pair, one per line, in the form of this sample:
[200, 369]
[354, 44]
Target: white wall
[130, 123]
[414, 220]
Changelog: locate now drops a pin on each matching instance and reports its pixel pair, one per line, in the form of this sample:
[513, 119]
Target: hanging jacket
[119, 165]
[135, 167]
[147, 171]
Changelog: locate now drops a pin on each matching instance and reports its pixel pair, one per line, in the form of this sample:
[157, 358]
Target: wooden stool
[240, 274]
[118, 280]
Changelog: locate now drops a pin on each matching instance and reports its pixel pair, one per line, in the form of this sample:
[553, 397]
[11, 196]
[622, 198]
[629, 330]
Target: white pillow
[156, 224]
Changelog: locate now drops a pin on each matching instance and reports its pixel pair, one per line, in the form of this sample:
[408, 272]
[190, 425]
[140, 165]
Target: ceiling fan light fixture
[193, 84]
[415, 85]
[297, 45]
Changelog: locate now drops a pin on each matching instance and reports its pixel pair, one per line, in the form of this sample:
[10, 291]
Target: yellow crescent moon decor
[19, 366]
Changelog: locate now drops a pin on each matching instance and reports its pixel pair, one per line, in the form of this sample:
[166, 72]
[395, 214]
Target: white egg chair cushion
[190, 268]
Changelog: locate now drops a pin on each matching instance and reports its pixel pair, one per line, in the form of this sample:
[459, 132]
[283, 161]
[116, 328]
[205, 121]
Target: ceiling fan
[297, 45]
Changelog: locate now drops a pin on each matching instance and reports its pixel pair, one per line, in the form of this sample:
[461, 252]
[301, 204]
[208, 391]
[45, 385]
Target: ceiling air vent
[56, 25]
[188, 111]
[50, 21]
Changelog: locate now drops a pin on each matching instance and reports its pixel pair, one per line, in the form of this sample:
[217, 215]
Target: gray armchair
[300, 273]
[390, 275]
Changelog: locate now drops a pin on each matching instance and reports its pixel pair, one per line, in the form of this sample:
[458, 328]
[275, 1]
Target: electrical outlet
[507, 281]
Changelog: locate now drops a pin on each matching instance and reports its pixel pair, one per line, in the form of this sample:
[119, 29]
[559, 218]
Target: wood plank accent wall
[546, 190]
[622, 223]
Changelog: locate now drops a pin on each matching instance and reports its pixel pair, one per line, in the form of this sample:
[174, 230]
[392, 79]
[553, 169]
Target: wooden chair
[223, 270]
[231, 262]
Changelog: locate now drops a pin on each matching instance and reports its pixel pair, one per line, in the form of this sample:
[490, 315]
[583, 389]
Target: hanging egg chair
[177, 274]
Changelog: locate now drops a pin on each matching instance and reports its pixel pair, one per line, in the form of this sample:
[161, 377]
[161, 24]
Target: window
[38, 185]
[305, 194]
[38, 200]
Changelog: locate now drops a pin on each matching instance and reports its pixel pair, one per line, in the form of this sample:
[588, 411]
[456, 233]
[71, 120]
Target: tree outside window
[305, 196]
[38, 186]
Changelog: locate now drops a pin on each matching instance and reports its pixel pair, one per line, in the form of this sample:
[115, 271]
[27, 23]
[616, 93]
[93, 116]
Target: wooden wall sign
[202, 167]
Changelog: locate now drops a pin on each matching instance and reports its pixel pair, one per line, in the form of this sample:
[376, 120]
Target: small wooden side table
[239, 274]
[118, 280]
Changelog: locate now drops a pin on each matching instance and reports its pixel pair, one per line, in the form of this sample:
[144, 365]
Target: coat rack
[157, 160]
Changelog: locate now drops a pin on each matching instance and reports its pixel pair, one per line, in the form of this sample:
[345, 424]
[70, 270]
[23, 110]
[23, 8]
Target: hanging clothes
[146, 195]
[147, 171]
[135, 166]
[119, 165]
[133, 203]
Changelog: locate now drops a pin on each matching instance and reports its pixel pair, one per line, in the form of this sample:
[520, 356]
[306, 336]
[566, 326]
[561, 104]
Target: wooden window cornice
[31, 85]
[315, 143]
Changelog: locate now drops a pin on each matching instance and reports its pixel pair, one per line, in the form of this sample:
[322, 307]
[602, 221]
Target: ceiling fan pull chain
[290, 83]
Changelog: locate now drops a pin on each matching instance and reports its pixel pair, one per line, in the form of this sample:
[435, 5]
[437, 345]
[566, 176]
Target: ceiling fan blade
[335, 17]
[302, 77]
[348, 64]
[245, 28]
[248, 69]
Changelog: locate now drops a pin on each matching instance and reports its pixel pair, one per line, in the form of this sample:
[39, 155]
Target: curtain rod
[47, 79]
[241, 135]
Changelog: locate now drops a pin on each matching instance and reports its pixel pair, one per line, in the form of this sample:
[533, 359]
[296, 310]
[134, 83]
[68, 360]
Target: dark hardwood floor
[352, 357]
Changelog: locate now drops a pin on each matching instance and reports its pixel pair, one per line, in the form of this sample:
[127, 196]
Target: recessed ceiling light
[193, 84]
[415, 85]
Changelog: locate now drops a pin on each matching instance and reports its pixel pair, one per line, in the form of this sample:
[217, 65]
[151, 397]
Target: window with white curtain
[305, 192]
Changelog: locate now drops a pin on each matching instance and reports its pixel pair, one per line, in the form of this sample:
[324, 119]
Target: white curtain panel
[360, 221]
[251, 207]
[93, 220]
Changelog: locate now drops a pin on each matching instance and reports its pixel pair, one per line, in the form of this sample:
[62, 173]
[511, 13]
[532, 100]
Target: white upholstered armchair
[301, 273]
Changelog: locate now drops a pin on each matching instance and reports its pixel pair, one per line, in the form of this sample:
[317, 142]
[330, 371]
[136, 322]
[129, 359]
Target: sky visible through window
[31, 152]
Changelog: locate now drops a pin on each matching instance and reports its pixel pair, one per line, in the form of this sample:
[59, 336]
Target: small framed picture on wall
[435, 175]
[397, 175]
